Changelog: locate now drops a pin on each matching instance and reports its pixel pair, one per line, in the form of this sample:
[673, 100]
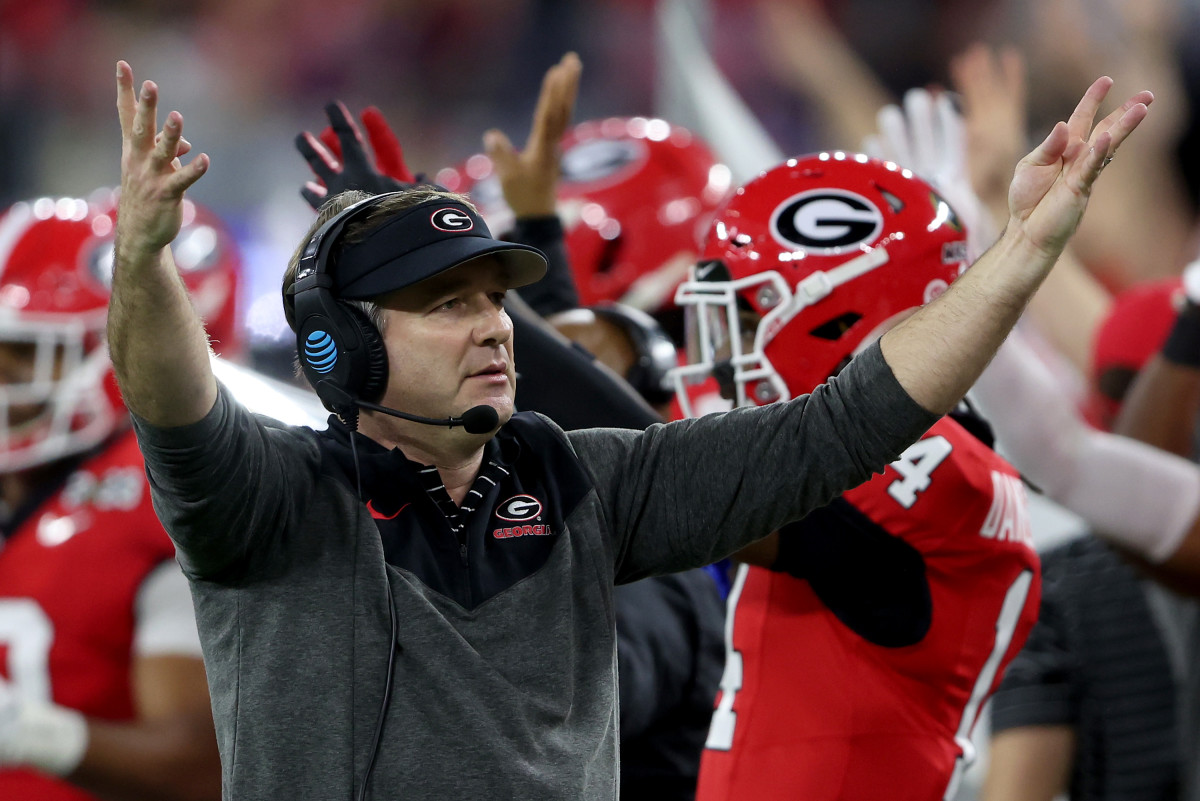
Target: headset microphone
[480, 419]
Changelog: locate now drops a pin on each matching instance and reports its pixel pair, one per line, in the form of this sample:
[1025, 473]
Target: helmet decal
[598, 159]
[826, 219]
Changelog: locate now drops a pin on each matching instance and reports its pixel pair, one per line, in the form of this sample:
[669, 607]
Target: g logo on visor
[452, 221]
[826, 220]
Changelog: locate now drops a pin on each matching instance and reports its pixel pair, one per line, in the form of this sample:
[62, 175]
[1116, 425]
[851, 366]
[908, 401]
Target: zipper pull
[462, 551]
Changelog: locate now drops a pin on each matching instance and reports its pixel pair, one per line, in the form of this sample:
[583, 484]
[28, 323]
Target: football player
[862, 640]
[102, 688]
[1091, 707]
[635, 195]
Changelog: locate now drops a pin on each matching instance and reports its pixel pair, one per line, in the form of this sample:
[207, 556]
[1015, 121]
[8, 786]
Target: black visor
[425, 240]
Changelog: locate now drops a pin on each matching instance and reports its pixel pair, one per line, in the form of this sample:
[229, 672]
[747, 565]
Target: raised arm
[1137, 497]
[939, 352]
[159, 348]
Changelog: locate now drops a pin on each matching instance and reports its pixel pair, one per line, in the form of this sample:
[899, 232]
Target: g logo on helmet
[600, 158]
[453, 221]
[829, 221]
[519, 508]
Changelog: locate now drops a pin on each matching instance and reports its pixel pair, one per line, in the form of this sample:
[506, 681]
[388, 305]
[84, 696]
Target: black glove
[340, 159]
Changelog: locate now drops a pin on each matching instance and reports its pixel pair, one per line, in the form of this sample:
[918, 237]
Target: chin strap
[818, 286]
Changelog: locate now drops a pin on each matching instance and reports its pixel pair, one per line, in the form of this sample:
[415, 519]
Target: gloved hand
[35, 734]
[340, 160]
[927, 137]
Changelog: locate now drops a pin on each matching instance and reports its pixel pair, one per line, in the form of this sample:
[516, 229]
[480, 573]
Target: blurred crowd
[252, 74]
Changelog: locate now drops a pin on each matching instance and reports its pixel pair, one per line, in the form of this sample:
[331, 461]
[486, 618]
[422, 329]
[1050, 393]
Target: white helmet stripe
[13, 226]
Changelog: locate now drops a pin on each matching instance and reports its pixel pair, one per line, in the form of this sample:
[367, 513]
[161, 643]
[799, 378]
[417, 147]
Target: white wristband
[44, 736]
[1191, 282]
[1138, 496]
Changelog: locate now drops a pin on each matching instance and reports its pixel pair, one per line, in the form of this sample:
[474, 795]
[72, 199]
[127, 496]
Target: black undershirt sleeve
[564, 383]
[556, 291]
[872, 581]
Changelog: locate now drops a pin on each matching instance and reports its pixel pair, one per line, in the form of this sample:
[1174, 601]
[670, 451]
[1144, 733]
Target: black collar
[385, 470]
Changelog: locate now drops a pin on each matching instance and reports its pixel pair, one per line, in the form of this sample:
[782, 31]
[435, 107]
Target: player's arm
[1161, 406]
[157, 341]
[167, 751]
[170, 753]
[529, 179]
[939, 352]
[1029, 763]
[1136, 496]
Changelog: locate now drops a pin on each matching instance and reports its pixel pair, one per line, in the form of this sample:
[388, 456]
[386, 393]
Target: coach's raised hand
[1050, 189]
[938, 353]
[158, 345]
[152, 178]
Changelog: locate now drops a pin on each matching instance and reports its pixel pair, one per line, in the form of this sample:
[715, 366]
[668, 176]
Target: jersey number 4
[916, 466]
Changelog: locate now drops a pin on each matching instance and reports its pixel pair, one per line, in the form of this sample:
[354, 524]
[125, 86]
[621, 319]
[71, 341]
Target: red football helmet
[635, 193]
[1137, 326]
[807, 262]
[56, 261]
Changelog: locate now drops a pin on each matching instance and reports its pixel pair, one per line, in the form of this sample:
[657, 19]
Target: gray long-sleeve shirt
[512, 694]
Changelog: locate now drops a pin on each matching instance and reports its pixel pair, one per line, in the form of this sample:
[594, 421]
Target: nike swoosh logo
[378, 515]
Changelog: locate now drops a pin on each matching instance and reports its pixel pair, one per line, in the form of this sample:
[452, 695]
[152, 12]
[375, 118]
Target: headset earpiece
[341, 351]
[375, 358]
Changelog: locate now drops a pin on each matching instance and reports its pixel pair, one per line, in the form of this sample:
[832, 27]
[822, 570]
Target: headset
[341, 351]
[655, 354]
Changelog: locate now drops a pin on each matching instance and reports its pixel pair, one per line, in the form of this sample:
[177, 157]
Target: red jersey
[811, 710]
[69, 577]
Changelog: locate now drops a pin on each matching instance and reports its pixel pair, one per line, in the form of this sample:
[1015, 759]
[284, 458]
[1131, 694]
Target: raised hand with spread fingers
[1047, 198]
[150, 306]
[1050, 189]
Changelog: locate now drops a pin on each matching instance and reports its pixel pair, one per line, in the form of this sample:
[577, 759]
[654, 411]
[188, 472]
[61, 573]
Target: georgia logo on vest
[454, 221]
[827, 220]
[519, 509]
